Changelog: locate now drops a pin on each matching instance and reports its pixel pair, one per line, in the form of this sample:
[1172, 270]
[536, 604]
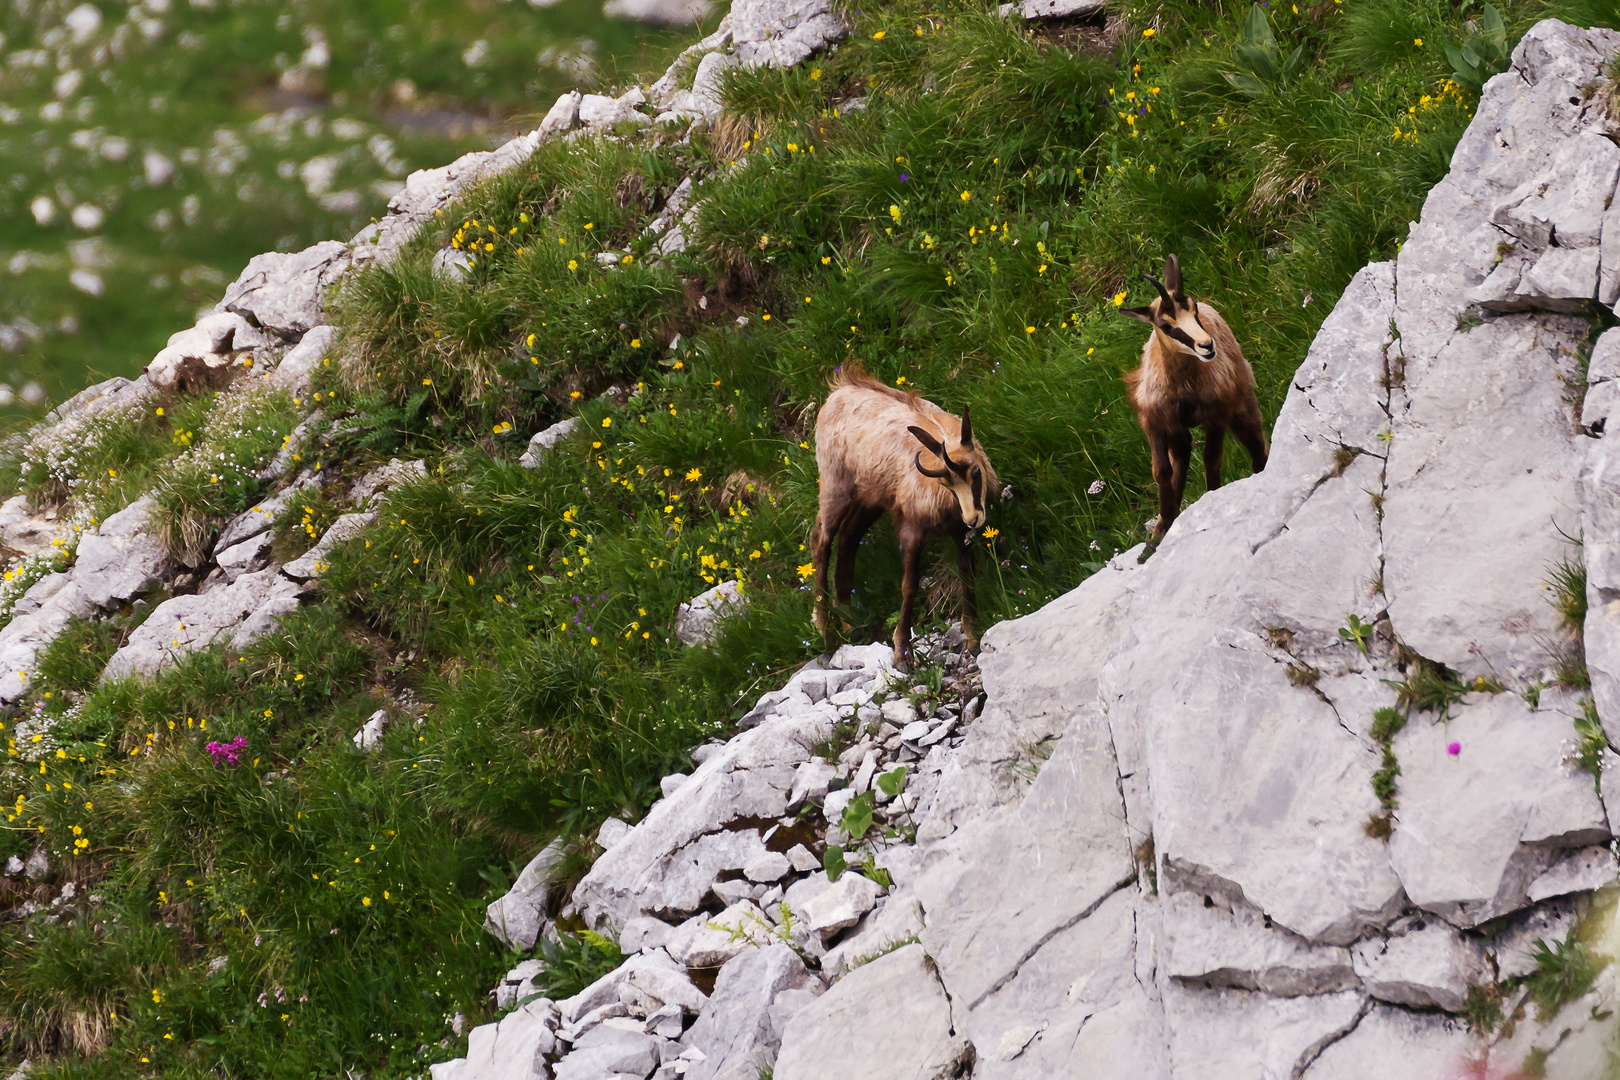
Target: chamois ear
[1143, 313]
[1172, 280]
[967, 428]
[934, 446]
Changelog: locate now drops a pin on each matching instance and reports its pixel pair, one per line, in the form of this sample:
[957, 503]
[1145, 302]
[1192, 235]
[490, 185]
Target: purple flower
[228, 753]
[904, 177]
[1454, 749]
[1141, 110]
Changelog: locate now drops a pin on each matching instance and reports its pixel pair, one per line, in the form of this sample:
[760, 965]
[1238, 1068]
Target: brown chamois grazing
[881, 449]
[1193, 374]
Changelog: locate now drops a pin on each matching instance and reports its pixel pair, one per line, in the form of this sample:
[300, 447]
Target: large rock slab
[27, 635]
[1234, 1033]
[313, 563]
[1394, 1044]
[1429, 966]
[1214, 943]
[888, 1020]
[122, 557]
[1274, 808]
[188, 624]
[517, 917]
[1008, 887]
[1474, 829]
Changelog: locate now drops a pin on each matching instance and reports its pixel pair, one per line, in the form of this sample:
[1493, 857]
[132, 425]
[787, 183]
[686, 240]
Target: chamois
[881, 449]
[1193, 374]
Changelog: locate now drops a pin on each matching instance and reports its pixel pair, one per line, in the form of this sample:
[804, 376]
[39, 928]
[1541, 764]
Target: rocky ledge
[1180, 838]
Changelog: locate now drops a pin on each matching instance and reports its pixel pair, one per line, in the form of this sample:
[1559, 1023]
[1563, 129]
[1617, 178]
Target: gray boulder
[518, 917]
[312, 563]
[282, 292]
[293, 373]
[1432, 966]
[122, 557]
[697, 622]
[782, 33]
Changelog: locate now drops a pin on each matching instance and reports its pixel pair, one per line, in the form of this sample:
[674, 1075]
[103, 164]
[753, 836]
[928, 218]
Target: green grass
[1565, 970]
[515, 624]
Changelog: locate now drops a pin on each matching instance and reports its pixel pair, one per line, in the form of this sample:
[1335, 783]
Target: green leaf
[856, 819]
[892, 783]
[1491, 24]
[833, 862]
[1245, 83]
[1257, 28]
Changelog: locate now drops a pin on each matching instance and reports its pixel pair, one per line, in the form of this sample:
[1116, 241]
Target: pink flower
[228, 753]
[1454, 749]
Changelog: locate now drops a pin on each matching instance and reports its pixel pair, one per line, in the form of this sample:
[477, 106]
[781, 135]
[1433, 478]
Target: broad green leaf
[892, 783]
[833, 862]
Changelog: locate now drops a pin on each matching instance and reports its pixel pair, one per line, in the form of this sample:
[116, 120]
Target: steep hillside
[311, 647]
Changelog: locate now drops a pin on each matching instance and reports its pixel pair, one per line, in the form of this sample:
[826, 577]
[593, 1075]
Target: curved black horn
[1169, 303]
[967, 428]
[940, 474]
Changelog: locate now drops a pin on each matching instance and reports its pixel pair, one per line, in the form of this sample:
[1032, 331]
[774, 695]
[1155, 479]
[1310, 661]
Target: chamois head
[963, 472]
[1174, 316]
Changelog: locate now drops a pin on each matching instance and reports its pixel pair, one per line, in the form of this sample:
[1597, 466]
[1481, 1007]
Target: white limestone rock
[282, 293]
[562, 116]
[26, 636]
[1241, 1034]
[1059, 9]
[606, 1051]
[1581, 870]
[782, 33]
[1464, 819]
[1395, 1044]
[312, 563]
[888, 1018]
[122, 557]
[1214, 943]
[293, 372]
[245, 557]
[1429, 966]
[518, 917]
[698, 621]
[841, 904]
[191, 623]
[739, 1032]
[184, 363]
[369, 737]
[543, 441]
[369, 489]
[513, 1049]
[708, 941]
[28, 533]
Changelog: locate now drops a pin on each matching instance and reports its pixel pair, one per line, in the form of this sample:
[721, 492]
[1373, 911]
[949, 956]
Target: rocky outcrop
[1154, 847]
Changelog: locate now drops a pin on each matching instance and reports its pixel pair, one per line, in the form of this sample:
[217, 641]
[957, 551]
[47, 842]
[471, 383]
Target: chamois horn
[936, 474]
[1164, 294]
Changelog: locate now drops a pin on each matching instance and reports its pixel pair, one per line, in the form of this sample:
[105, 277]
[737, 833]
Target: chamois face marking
[960, 473]
[1174, 316]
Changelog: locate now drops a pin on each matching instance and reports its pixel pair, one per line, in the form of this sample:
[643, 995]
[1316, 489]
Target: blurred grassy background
[147, 151]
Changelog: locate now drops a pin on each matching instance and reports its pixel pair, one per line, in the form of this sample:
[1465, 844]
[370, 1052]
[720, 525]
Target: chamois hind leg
[1169, 498]
[821, 538]
[855, 526]
[1248, 430]
[964, 569]
[911, 545]
[1214, 449]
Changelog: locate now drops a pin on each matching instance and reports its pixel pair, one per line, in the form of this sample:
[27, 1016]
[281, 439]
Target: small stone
[644, 932]
[542, 442]
[899, 711]
[842, 904]
[914, 731]
[802, 859]
[771, 866]
[670, 784]
[370, 734]
[698, 621]
[612, 831]
[38, 865]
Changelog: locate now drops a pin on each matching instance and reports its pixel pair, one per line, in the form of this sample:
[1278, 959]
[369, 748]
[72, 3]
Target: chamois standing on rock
[881, 449]
[1193, 374]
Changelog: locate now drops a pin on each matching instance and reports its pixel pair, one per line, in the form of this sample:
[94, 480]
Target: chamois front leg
[911, 561]
[1180, 462]
[1214, 450]
[849, 542]
[964, 569]
[1169, 499]
[820, 548]
[1252, 434]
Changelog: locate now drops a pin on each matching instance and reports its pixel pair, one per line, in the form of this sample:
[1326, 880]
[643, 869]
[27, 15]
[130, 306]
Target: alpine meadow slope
[411, 672]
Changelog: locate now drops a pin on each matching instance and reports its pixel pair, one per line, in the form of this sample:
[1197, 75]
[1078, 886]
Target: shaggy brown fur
[1193, 374]
[881, 449]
